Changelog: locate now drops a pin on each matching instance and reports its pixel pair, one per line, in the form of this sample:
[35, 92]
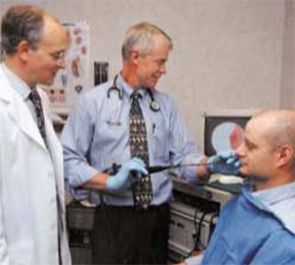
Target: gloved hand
[225, 162]
[119, 180]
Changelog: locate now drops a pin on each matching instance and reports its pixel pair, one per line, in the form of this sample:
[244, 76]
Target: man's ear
[23, 50]
[285, 155]
[134, 58]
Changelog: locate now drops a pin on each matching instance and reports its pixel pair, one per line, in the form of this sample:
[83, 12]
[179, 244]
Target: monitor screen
[223, 133]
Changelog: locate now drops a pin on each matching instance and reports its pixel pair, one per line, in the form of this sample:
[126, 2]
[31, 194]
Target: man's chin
[254, 178]
[243, 174]
[47, 82]
[153, 85]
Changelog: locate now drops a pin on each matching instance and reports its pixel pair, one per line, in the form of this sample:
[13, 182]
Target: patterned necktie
[142, 187]
[36, 100]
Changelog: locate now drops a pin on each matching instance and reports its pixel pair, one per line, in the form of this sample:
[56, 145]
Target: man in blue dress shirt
[258, 227]
[98, 135]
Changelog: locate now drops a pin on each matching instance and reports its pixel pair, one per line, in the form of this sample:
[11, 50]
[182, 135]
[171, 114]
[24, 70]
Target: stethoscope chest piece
[155, 106]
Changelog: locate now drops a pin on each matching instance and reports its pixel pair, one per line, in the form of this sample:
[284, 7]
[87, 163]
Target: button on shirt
[97, 135]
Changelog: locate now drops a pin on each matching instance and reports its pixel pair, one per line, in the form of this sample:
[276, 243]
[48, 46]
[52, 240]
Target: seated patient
[258, 226]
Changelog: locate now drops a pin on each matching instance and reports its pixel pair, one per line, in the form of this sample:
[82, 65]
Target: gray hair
[21, 23]
[142, 36]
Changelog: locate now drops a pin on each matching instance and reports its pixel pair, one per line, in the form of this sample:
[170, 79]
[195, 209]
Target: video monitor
[224, 130]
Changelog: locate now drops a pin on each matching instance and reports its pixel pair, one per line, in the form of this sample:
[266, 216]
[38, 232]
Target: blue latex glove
[225, 162]
[119, 180]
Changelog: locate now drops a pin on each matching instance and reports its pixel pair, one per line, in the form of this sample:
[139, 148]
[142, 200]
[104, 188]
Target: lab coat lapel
[22, 115]
[19, 112]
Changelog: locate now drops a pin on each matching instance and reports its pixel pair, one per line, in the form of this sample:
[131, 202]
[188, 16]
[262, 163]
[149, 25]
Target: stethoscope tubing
[154, 105]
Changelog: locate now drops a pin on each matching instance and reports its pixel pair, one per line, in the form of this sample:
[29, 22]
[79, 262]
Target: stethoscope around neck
[154, 105]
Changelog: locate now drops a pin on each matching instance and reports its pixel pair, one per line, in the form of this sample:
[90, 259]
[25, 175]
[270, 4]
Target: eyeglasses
[58, 55]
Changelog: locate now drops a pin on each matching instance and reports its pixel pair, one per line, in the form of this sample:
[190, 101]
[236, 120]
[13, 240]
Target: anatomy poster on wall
[72, 81]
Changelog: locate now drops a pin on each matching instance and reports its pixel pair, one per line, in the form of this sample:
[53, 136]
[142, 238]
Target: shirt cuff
[194, 260]
[190, 172]
[78, 176]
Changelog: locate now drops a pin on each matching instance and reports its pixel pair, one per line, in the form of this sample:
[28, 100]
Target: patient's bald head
[278, 126]
[276, 129]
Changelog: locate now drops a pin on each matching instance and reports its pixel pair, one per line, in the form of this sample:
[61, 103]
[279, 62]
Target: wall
[288, 67]
[228, 54]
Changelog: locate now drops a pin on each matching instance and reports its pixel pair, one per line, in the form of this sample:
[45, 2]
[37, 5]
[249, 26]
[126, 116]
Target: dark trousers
[124, 235]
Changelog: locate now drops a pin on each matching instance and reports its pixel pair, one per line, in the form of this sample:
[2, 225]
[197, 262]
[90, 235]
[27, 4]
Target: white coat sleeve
[4, 258]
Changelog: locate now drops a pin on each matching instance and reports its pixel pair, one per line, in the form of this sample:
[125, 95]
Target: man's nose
[62, 63]
[240, 151]
[163, 69]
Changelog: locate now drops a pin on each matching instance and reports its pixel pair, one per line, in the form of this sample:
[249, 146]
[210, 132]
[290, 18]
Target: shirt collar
[126, 88]
[274, 195]
[17, 83]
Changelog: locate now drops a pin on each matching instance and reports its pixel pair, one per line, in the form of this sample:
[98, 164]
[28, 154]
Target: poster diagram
[72, 81]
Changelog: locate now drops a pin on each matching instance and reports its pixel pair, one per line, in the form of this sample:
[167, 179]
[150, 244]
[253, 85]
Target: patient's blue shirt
[252, 229]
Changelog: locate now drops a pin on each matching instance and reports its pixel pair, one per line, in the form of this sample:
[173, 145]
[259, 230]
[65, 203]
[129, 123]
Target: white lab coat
[29, 177]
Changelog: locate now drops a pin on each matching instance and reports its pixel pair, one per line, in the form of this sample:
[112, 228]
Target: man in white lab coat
[32, 209]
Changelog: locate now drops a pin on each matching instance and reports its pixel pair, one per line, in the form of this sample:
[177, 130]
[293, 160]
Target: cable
[198, 228]
[211, 230]
[198, 235]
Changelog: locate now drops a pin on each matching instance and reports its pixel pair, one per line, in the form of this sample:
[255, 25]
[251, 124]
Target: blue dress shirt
[96, 135]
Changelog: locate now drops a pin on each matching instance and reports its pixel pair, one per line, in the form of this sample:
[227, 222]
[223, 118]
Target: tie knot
[136, 95]
[34, 96]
